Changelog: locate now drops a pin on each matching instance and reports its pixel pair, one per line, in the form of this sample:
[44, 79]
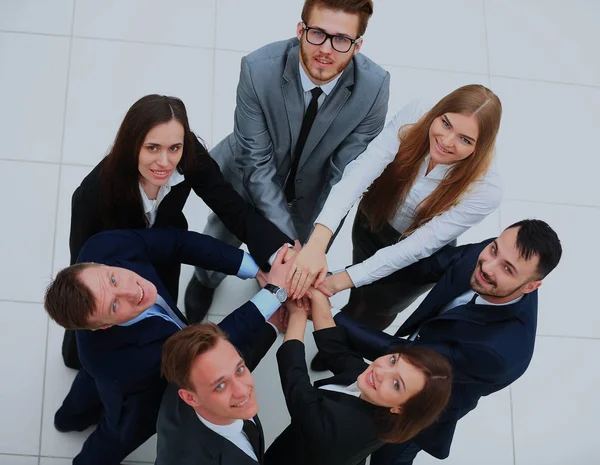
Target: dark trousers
[396, 454]
[124, 421]
[377, 304]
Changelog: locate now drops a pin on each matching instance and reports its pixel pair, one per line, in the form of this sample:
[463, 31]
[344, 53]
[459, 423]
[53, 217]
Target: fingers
[297, 274]
[325, 290]
[320, 278]
[280, 255]
[290, 274]
[305, 285]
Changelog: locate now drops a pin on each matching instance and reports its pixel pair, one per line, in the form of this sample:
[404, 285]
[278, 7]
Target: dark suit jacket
[184, 440]
[263, 238]
[125, 360]
[489, 347]
[328, 428]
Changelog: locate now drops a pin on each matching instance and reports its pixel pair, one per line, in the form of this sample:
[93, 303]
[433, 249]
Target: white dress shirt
[351, 390]
[479, 201]
[308, 85]
[232, 433]
[151, 206]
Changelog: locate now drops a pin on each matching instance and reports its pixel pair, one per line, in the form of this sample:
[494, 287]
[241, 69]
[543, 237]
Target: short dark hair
[536, 237]
[182, 348]
[423, 408]
[68, 301]
[362, 8]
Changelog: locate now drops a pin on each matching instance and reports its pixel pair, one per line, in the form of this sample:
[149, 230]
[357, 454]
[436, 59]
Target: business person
[481, 314]
[145, 180]
[123, 314]
[306, 107]
[428, 179]
[209, 411]
[343, 419]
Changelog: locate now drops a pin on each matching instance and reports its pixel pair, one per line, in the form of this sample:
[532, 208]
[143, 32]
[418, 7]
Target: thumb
[280, 255]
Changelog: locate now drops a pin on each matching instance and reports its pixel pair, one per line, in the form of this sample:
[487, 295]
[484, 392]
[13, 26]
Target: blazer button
[299, 198]
[298, 181]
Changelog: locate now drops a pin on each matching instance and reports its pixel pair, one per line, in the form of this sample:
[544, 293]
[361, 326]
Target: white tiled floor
[69, 69]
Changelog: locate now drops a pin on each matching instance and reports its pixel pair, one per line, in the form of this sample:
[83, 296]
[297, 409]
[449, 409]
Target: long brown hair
[423, 409]
[390, 189]
[121, 200]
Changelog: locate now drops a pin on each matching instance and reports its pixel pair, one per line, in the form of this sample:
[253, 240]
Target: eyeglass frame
[330, 37]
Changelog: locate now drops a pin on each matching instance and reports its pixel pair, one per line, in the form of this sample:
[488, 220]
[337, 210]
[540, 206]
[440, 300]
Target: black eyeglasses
[339, 43]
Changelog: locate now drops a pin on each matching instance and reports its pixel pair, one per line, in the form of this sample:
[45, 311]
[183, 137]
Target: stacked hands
[308, 290]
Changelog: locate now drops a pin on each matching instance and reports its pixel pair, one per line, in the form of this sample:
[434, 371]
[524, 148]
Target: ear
[188, 397]
[396, 410]
[531, 286]
[358, 45]
[299, 30]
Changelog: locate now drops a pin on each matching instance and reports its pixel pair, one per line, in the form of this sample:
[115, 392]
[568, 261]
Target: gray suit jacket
[257, 156]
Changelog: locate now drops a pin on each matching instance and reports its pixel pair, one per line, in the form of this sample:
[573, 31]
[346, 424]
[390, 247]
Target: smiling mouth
[244, 402]
[161, 173]
[482, 277]
[371, 380]
[442, 149]
[324, 61]
[141, 294]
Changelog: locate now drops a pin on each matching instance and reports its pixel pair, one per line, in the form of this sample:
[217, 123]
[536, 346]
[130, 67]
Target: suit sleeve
[337, 354]
[258, 345]
[357, 142]
[85, 221]
[262, 236]
[256, 158]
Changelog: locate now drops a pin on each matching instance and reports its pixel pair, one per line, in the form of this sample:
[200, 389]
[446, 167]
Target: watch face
[281, 295]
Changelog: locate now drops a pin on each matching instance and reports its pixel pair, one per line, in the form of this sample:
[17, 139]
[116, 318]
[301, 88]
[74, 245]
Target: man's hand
[262, 278]
[279, 269]
[279, 319]
[320, 310]
[310, 266]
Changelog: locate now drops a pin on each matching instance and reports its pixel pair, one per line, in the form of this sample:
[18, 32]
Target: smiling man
[481, 314]
[209, 411]
[123, 314]
[306, 107]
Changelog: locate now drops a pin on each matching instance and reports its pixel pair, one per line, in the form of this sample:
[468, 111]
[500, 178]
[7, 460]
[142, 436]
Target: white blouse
[479, 201]
[151, 206]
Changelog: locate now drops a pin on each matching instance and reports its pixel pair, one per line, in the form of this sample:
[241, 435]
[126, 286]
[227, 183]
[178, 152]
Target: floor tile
[177, 22]
[419, 35]
[70, 179]
[246, 26]
[109, 77]
[547, 40]
[33, 85]
[40, 16]
[545, 145]
[556, 406]
[26, 249]
[22, 369]
[19, 460]
[564, 298]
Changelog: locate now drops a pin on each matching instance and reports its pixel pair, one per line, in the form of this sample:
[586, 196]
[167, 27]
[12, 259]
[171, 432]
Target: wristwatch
[277, 291]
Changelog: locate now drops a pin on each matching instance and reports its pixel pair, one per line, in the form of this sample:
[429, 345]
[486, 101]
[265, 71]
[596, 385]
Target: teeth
[371, 380]
[243, 402]
[160, 173]
[141, 293]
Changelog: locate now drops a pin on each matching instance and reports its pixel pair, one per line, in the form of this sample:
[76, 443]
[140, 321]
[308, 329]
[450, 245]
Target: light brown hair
[182, 348]
[421, 410]
[68, 301]
[390, 189]
[362, 8]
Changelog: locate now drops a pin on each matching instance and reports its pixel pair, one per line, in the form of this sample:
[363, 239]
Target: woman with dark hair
[427, 179]
[343, 419]
[144, 182]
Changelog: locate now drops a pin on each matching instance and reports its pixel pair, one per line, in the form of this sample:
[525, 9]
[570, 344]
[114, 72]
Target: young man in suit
[306, 107]
[123, 314]
[481, 314]
[209, 411]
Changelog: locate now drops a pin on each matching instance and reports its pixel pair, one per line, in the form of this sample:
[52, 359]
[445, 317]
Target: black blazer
[328, 428]
[125, 360]
[184, 440]
[262, 236]
[489, 347]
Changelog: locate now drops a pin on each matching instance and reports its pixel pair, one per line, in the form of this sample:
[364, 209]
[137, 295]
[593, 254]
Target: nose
[326, 47]
[239, 389]
[162, 159]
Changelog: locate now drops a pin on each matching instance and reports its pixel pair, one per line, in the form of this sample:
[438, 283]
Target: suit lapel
[293, 95]
[328, 111]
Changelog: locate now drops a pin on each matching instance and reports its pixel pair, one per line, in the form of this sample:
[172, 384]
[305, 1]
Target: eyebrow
[223, 378]
[463, 135]
[401, 379]
[505, 261]
[342, 34]
[154, 144]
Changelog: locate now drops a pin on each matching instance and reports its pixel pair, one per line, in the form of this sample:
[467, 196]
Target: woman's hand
[310, 263]
[336, 283]
[296, 321]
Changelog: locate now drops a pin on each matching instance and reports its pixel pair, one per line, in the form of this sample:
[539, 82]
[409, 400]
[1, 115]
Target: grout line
[62, 148]
[214, 83]
[562, 204]
[487, 47]
[545, 81]
[32, 33]
[557, 336]
[12, 301]
[143, 42]
[43, 162]
[512, 426]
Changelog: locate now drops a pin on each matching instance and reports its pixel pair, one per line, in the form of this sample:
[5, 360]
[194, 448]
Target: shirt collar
[175, 178]
[438, 173]
[308, 85]
[231, 430]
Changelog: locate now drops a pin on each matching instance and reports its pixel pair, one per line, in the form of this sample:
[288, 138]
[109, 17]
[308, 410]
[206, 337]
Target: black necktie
[307, 122]
[472, 301]
[253, 434]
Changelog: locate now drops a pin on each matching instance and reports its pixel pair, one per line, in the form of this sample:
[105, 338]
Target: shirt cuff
[272, 257]
[248, 268]
[357, 275]
[266, 303]
[274, 327]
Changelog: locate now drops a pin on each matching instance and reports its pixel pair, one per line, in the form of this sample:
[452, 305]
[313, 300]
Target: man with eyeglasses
[306, 107]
